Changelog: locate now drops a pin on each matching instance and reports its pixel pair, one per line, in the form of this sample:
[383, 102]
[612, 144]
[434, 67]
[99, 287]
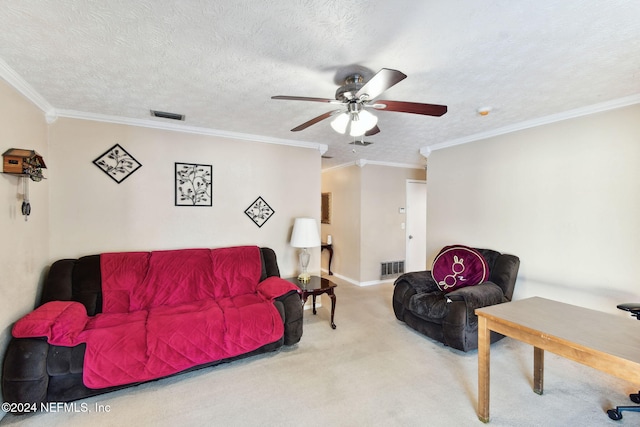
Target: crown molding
[322, 148]
[20, 84]
[363, 162]
[51, 115]
[395, 165]
[578, 112]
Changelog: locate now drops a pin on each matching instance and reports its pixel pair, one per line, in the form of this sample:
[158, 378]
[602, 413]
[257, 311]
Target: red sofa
[117, 319]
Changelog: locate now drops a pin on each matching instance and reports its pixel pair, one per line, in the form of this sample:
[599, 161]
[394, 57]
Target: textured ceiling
[219, 62]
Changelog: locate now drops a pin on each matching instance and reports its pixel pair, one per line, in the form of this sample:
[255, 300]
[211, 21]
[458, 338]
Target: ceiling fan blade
[304, 98]
[315, 120]
[411, 107]
[374, 130]
[381, 81]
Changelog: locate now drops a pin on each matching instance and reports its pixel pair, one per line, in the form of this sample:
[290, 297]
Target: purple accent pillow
[459, 266]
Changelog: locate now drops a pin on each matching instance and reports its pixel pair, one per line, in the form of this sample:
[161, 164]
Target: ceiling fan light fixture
[362, 122]
[340, 123]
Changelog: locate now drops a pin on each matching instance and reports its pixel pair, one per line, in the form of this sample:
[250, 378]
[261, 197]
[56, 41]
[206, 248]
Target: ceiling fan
[355, 95]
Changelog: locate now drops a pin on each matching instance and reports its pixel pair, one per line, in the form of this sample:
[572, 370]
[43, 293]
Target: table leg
[333, 307]
[314, 304]
[329, 247]
[538, 370]
[484, 364]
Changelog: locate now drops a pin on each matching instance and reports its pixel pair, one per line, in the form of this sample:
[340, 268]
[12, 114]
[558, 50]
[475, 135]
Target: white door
[416, 227]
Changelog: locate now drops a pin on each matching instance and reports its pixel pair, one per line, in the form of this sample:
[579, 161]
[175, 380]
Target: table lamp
[305, 235]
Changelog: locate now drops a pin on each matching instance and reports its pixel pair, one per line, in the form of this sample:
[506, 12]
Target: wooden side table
[317, 286]
[329, 247]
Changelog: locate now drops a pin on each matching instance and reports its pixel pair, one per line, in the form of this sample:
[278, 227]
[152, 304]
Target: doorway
[416, 226]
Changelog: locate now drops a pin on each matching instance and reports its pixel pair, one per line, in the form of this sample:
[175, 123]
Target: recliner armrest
[464, 302]
[421, 281]
[478, 296]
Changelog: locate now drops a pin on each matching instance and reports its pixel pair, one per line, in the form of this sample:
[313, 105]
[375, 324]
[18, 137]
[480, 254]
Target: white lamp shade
[365, 121]
[305, 233]
[340, 123]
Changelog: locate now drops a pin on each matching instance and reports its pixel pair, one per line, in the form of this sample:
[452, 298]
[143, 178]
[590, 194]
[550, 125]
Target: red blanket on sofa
[164, 312]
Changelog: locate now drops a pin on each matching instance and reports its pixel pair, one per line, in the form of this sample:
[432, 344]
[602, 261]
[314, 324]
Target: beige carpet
[371, 371]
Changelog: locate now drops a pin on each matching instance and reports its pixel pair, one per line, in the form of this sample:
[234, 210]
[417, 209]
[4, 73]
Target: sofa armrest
[24, 371]
[59, 321]
[293, 311]
[273, 287]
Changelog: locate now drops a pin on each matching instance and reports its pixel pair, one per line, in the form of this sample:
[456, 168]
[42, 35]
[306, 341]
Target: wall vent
[391, 269]
[165, 115]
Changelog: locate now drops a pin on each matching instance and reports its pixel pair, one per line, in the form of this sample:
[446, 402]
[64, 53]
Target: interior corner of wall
[51, 116]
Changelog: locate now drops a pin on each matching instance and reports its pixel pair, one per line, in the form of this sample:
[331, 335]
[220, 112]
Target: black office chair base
[616, 414]
[633, 308]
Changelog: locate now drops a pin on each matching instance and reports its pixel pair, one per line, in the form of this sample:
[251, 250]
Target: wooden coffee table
[317, 286]
[603, 341]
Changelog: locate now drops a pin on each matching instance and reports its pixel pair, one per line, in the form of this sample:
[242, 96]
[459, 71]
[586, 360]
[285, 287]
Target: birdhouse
[20, 161]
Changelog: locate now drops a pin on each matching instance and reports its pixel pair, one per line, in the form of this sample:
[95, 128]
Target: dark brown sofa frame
[35, 372]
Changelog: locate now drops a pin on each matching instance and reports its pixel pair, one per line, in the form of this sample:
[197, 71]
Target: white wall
[564, 197]
[91, 213]
[384, 190]
[344, 186]
[24, 244]
[366, 224]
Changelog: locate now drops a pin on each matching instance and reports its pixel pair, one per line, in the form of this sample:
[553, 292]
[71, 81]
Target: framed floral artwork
[117, 163]
[193, 184]
[259, 212]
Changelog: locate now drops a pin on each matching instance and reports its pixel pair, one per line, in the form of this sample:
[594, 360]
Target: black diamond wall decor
[117, 163]
[259, 212]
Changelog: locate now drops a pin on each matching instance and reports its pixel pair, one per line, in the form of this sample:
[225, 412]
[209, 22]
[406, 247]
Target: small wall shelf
[27, 165]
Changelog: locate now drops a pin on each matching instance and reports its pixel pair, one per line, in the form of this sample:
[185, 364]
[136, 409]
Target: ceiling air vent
[361, 143]
[165, 115]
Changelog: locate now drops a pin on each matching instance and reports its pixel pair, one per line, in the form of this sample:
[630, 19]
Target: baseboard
[358, 283]
[377, 282]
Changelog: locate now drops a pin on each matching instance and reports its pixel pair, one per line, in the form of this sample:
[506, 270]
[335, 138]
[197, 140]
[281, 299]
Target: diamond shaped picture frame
[117, 163]
[259, 212]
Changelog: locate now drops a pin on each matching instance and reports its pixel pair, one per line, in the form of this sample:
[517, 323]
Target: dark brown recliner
[450, 318]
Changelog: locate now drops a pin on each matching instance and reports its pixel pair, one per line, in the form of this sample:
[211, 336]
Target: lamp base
[304, 277]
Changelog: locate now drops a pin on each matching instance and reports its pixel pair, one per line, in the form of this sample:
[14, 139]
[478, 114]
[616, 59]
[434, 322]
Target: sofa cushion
[141, 280]
[459, 266]
[145, 345]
